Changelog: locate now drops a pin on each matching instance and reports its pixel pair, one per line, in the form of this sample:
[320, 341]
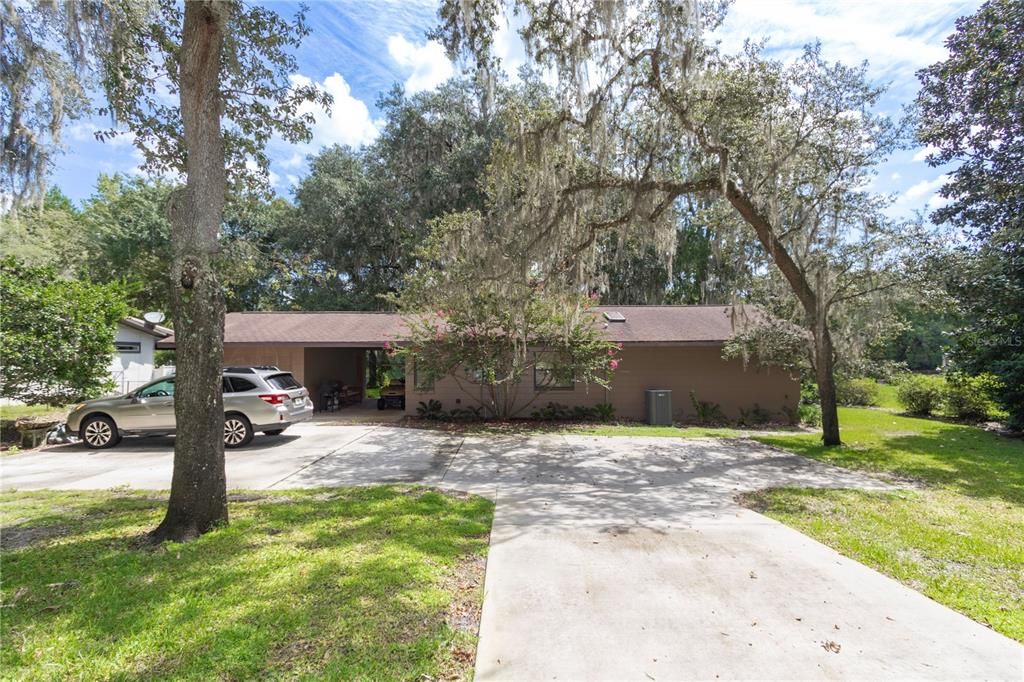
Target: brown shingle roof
[668, 323]
[644, 324]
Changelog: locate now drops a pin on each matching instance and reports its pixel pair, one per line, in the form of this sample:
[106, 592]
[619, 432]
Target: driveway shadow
[165, 444]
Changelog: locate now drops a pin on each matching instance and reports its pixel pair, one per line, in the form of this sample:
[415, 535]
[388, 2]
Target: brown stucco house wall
[678, 348]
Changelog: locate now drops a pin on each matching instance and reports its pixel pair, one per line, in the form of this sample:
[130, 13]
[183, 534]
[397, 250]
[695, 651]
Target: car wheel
[237, 431]
[99, 432]
[274, 432]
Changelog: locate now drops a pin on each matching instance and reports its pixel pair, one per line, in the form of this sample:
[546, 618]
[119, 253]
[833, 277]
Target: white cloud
[83, 131]
[937, 202]
[925, 187]
[922, 193]
[428, 63]
[923, 153]
[349, 122]
[273, 178]
[895, 176]
[80, 131]
[892, 36]
[508, 46]
[294, 161]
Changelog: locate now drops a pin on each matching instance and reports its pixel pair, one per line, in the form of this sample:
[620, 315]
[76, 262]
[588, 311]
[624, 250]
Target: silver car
[255, 399]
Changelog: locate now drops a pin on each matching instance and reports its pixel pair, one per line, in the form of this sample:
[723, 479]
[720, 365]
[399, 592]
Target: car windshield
[283, 382]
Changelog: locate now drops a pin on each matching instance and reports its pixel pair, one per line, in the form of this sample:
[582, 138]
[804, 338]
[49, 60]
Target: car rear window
[238, 384]
[283, 382]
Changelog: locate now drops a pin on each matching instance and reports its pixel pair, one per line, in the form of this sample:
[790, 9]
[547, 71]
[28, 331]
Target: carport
[319, 348]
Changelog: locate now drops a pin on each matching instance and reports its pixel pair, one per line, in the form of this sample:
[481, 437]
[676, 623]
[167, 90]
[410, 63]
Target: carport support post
[198, 499]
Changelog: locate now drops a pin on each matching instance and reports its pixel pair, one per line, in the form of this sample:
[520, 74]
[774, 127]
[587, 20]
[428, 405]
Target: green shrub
[809, 392]
[754, 416]
[856, 392]
[432, 409]
[551, 412]
[809, 415]
[970, 398]
[466, 414]
[707, 412]
[581, 413]
[885, 371]
[919, 394]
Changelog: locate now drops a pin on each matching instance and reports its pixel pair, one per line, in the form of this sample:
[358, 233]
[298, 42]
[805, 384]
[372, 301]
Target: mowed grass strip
[956, 535]
[887, 397]
[644, 430]
[357, 583]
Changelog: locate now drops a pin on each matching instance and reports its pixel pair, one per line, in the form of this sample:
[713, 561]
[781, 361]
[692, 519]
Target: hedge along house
[676, 348]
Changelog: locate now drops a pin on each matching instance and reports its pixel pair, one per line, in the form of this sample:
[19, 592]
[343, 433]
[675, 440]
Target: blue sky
[359, 48]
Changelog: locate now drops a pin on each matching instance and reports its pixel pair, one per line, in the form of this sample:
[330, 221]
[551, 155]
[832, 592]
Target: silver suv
[255, 399]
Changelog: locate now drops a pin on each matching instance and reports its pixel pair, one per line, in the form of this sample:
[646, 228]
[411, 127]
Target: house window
[546, 377]
[128, 346]
[422, 381]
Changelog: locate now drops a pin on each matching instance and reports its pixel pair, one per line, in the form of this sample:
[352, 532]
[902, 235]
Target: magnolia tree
[57, 334]
[489, 332]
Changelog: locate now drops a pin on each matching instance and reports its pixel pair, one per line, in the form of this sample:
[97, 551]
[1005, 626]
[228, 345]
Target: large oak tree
[649, 112]
[201, 88]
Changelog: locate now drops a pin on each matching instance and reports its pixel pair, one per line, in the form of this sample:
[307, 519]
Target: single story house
[133, 360]
[678, 348]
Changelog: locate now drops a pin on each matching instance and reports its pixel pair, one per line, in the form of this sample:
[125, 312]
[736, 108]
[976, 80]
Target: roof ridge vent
[614, 316]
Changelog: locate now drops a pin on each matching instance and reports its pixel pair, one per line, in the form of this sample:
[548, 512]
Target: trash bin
[659, 407]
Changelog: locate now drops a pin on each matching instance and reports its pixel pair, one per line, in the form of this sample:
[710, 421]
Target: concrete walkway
[617, 558]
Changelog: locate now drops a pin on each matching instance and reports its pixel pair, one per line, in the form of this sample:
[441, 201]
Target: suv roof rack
[251, 369]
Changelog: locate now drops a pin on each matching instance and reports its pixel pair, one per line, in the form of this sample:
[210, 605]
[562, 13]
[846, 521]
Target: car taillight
[274, 398]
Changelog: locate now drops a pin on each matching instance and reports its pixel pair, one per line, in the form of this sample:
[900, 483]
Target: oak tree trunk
[824, 367]
[198, 499]
[810, 298]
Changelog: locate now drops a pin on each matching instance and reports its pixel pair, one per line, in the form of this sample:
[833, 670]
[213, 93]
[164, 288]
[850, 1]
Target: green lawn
[16, 411]
[364, 583]
[655, 431]
[887, 397]
[528, 427]
[957, 535]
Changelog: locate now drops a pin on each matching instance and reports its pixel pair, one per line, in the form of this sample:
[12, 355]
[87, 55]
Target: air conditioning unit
[659, 407]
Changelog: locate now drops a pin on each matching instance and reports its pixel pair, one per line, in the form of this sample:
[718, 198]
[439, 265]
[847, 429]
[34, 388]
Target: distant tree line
[352, 231]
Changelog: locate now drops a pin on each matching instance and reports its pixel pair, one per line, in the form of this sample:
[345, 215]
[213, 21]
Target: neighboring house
[134, 350]
[678, 348]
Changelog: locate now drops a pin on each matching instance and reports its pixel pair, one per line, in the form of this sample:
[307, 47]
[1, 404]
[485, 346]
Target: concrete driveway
[616, 558]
